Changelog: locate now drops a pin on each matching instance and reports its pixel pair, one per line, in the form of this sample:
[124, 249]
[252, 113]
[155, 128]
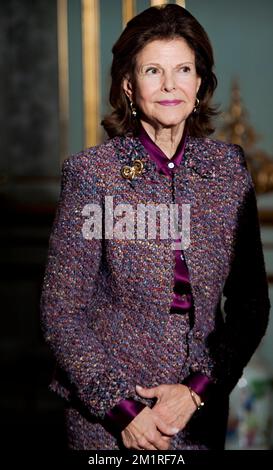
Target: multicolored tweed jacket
[105, 303]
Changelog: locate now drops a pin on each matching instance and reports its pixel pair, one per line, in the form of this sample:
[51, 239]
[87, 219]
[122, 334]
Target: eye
[185, 69]
[152, 71]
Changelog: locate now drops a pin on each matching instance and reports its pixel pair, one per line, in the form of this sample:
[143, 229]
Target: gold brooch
[129, 172]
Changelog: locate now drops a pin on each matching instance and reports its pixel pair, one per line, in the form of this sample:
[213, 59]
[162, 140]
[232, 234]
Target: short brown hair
[165, 22]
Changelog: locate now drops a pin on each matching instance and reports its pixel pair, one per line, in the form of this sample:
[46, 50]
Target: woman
[146, 356]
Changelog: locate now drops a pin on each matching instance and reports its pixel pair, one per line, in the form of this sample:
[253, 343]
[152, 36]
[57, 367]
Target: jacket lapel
[130, 148]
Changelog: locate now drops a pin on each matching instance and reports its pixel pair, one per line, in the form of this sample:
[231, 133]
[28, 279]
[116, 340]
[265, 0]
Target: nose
[168, 82]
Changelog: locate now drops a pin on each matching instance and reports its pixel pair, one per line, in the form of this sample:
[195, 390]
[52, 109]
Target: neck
[167, 139]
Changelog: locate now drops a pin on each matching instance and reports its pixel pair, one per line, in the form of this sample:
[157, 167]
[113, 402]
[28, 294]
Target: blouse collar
[164, 164]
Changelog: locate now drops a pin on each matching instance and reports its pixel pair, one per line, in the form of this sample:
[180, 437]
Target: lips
[170, 102]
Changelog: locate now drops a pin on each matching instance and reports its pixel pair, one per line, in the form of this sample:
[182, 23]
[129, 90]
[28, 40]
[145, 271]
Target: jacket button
[198, 335]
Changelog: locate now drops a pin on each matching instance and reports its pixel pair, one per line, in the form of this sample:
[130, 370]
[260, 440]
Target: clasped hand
[153, 428]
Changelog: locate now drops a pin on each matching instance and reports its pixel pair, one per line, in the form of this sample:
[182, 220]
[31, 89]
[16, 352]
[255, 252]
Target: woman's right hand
[147, 432]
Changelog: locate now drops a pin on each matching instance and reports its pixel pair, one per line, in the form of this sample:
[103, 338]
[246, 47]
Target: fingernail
[139, 386]
[175, 430]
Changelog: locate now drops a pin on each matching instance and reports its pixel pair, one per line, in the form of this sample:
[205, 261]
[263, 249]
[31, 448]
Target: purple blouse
[182, 299]
[126, 410]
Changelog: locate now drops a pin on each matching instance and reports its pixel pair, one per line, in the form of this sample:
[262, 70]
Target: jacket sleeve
[246, 301]
[71, 277]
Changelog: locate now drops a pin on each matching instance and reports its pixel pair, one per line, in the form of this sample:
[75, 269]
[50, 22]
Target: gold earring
[197, 101]
[133, 109]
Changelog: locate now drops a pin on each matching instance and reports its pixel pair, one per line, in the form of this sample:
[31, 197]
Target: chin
[172, 121]
[169, 124]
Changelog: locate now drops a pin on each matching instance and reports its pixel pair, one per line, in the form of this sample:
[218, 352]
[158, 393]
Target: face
[166, 82]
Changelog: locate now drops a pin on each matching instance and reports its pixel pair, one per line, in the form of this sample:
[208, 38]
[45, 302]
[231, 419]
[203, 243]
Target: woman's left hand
[174, 403]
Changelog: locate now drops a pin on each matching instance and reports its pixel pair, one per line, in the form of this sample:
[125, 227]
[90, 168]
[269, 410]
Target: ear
[127, 87]
[199, 80]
